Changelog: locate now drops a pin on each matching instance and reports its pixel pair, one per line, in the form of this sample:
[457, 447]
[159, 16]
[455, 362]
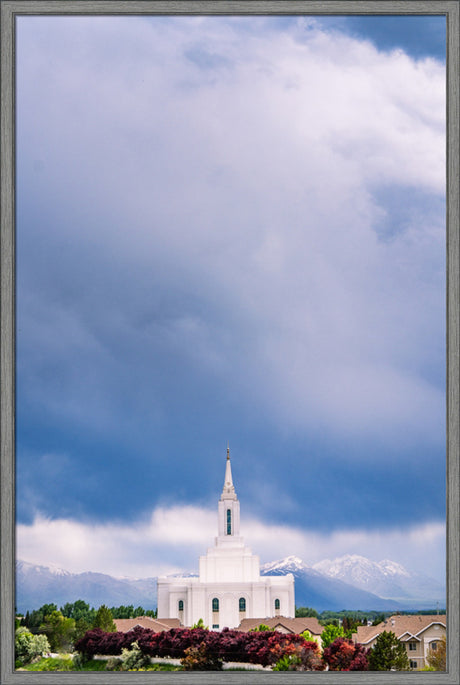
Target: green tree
[34, 620]
[306, 612]
[388, 654]
[331, 633]
[79, 610]
[28, 646]
[59, 630]
[437, 659]
[260, 628]
[104, 620]
[200, 624]
[122, 611]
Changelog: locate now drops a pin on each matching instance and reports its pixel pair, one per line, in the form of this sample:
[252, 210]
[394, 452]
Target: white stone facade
[229, 586]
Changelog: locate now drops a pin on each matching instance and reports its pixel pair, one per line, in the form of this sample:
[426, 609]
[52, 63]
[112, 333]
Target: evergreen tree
[388, 654]
[104, 620]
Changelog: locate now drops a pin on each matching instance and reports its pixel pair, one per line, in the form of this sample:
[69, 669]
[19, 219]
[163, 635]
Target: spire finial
[228, 450]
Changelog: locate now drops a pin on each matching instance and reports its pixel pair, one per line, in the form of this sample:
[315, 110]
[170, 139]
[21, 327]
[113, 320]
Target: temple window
[229, 522]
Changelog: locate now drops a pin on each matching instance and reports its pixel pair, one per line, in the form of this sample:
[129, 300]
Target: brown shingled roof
[402, 626]
[293, 625]
[123, 625]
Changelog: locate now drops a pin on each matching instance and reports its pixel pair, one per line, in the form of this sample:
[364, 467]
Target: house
[420, 635]
[123, 625]
[229, 587]
[284, 625]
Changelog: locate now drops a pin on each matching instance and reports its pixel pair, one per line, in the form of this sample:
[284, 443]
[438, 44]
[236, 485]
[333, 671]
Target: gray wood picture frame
[12, 8]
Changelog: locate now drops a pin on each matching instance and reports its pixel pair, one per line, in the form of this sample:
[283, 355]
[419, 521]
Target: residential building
[285, 625]
[124, 625]
[420, 635]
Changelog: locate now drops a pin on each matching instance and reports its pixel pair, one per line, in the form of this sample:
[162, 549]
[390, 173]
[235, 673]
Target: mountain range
[349, 582]
[354, 582]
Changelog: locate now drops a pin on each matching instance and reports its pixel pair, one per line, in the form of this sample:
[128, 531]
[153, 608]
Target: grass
[63, 664]
[66, 664]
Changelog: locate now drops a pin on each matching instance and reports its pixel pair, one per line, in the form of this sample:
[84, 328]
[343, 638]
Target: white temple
[229, 586]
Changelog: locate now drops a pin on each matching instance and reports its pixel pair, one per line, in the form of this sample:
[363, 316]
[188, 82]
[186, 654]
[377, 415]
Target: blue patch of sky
[419, 36]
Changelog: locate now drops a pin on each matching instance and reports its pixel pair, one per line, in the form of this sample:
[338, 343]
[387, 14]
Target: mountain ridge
[350, 582]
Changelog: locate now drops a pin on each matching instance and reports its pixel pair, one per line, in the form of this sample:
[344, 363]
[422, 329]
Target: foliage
[34, 619]
[113, 664]
[28, 646]
[437, 659]
[262, 627]
[350, 625]
[130, 612]
[344, 655]
[53, 664]
[331, 633]
[311, 638]
[260, 647]
[199, 624]
[133, 658]
[306, 612]
[79, 610]
[360, 617]
[59, 630]
[388, 654]
[104, 620]
[65, 664]
[201, 658]
[300, 657]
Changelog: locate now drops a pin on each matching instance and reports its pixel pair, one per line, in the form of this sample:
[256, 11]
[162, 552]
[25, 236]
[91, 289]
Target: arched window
[181, 605]
[277, 604]
[215, 604]
[242, 604]
[229, 522]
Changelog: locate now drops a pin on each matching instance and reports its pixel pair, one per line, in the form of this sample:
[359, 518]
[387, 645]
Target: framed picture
[230, 276]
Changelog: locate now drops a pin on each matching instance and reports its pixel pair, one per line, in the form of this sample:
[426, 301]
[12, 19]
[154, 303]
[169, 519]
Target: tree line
[65, 626]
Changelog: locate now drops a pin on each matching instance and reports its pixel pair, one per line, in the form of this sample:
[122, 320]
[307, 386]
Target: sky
[230, 230]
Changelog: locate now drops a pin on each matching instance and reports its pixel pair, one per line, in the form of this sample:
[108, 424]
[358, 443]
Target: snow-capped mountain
[385, 578]
[349, 582]
[37, 585]
[290, 564]
[316, 590]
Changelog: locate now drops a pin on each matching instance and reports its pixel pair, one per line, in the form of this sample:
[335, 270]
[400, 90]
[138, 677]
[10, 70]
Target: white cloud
[173, 538]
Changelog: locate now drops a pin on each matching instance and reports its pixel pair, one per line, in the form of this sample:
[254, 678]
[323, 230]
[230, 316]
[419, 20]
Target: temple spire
[228, 491]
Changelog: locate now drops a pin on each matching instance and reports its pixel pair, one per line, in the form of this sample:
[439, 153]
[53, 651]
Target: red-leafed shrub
[265, 647]
[306, 655]
[201, 658]
[344, 655]
[98, 641]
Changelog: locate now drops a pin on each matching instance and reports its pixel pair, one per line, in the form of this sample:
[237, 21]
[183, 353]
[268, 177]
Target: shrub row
[263, 648]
